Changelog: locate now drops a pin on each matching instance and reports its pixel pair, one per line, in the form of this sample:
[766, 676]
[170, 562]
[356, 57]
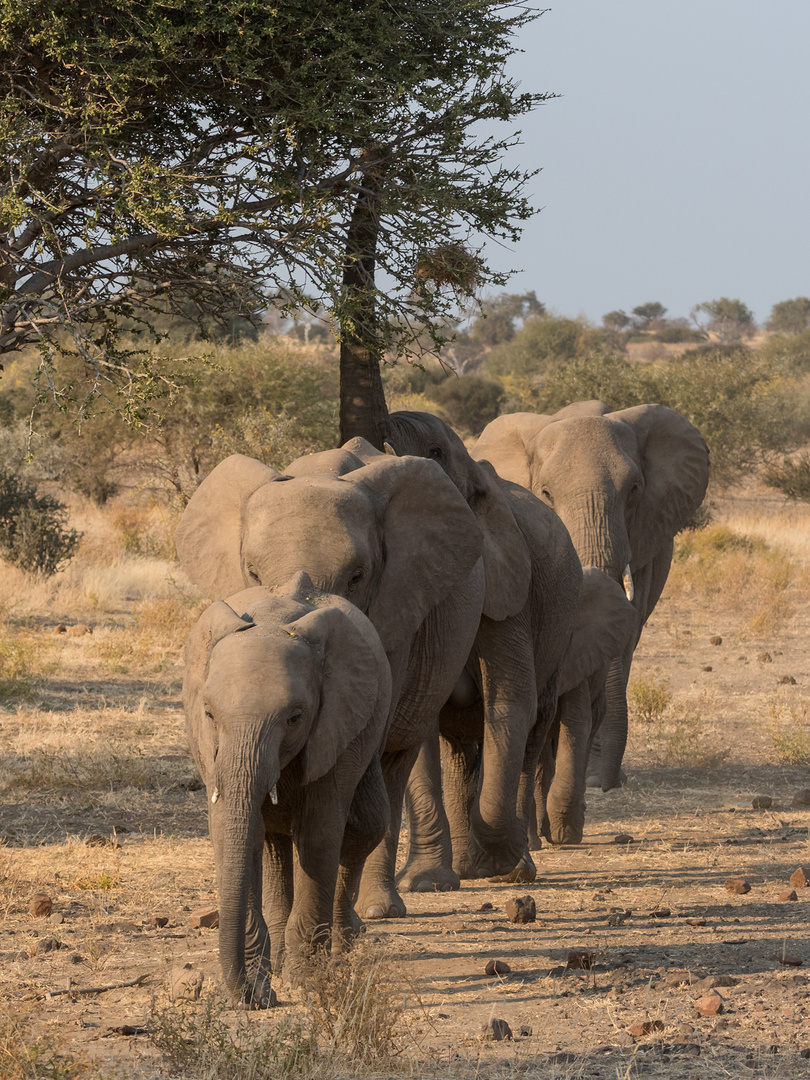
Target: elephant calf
[287, 694]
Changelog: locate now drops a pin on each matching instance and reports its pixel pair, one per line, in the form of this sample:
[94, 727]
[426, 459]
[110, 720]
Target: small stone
[787, 960]
[683, 978]
[185, 982]
[801, 798]
[788, 894]
[486, 906]
[156, 920]
[787, 680]
[497, 1030]
[617, 918]
[805, 1053]
[739, 886]
[75, 958]
[623, 838]
[97, 840]
[525, 1031]
[715, 640]
[765, 658]
[56, 918]
[762, 802]
[40, 906]
[497, 967]
[697, 922]
[661, 913]
[521, 909]
[709, 1005]
[124, 926]
[709, 982]
[580, 959]
[800, 878]
[79, 630]
[645, 1027]
[60, 628]
[46, 945]
[707, 667]
[205, 917]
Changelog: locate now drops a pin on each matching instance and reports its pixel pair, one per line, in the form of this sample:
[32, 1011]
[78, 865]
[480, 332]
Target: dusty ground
[99, 751]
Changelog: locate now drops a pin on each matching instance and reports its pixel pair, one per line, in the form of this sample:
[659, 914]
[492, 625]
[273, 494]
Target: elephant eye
[436, 453]
[356, 577]
[293, 720]
[546, 494]
[254, 576]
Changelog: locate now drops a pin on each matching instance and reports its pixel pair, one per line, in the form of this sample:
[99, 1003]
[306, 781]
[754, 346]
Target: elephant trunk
[238, 833]
[599, 534]
[613, 732]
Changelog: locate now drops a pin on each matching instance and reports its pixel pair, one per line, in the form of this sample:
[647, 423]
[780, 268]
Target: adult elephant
[508, 697]
[287, 695]
[396, 538]
[624, 483]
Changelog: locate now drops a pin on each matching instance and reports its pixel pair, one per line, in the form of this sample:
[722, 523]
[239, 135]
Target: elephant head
[507, 563]
[624, 483]
[392, 536]
[277, 686]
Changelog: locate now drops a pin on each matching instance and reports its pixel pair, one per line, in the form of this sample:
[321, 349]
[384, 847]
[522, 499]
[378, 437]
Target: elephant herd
[428, 630]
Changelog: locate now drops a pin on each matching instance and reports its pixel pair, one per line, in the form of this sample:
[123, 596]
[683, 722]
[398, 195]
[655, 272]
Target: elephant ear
[507, 563]
[329, 464]
[356, 686]
[604, 626]
[209, 536]
[504, 442]
[430, 537]
[675, 463]
[215, 623]
[581, 408]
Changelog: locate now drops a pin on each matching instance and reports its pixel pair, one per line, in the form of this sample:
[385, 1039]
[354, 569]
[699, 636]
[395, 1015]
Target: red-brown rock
[497, 1030]
[497, 967]
[580, 959]
[801, 798]
[800, 878]
[715, 639]
[623, 838]
[788, 894]
[41, 905]
[709, 1005]
[204, 917]
[521, 909]
[762, 802]
[788, 960]
[645, 1027]
[738, 885]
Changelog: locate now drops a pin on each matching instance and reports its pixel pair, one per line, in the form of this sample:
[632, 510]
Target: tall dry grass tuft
[647, 698]
[23, 660]
[24, 1056]
[737, 574]
[789, 730]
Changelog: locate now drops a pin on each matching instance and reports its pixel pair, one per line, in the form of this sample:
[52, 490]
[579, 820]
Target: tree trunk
[363, 411]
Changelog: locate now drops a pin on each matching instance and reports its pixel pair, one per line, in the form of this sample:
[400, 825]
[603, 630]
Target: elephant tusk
[274, 795]
[627, 581]
[215, 796]
[389, 449]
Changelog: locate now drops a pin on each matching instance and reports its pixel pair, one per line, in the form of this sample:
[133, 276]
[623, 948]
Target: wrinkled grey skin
[507, 699]
[624, 483]
[287, 695]
[395, 538]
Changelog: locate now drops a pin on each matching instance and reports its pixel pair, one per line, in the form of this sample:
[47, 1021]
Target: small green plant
[789, 732]
[33, 528]
[20, 664]
[648, 699]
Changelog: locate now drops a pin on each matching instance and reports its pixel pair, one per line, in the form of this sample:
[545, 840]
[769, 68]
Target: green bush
[33, 533]
[791, 476]
[469, 401]
[544, 341]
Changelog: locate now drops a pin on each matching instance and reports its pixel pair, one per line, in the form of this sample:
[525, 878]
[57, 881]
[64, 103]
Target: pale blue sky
[676, 165]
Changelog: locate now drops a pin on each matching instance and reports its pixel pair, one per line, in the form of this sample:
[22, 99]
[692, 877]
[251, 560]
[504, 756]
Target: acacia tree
[162, 153]
[730, 320]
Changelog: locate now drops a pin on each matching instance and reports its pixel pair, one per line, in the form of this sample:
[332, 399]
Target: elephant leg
[429, 865]
[460, 760]
[378, 897]
[566, 798]
[277, 891]
[368, 819]
[542, 783]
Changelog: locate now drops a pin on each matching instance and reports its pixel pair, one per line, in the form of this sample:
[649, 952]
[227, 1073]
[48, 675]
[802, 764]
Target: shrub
[648, 698]
[544, 341]
[469, 401]
[791, 476]
[33, 532]
[789, 732]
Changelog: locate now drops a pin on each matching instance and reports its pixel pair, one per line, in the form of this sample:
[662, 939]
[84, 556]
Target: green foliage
[649, 313]
[676, 333]
[544, 341]
[729, 320]
[791, 476]
[789, 731]
[161, 159]
[790, 351]
[790, 316]
[616, 320]
[602, 376]
[33, 532]
[648, 698]
[469, 402]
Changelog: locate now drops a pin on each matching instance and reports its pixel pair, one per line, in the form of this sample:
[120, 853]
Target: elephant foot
[344, 936]
[524, 873]
[257, 993]
[421, 879]
[381, 903]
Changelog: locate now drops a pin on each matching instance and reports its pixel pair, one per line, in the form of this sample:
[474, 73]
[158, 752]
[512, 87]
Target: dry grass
[24, 1056]
[647, 698]
[735, 573]
[789, 730]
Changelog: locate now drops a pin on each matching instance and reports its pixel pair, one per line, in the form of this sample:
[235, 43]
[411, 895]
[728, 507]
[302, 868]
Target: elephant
[508, 697]
[287, 695]
[624, 483]
[396, 539]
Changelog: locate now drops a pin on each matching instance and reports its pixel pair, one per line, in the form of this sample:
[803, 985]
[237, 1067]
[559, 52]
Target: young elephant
[287, 695]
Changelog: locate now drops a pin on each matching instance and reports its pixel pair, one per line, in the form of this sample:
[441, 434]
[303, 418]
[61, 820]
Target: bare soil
[652, 913]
